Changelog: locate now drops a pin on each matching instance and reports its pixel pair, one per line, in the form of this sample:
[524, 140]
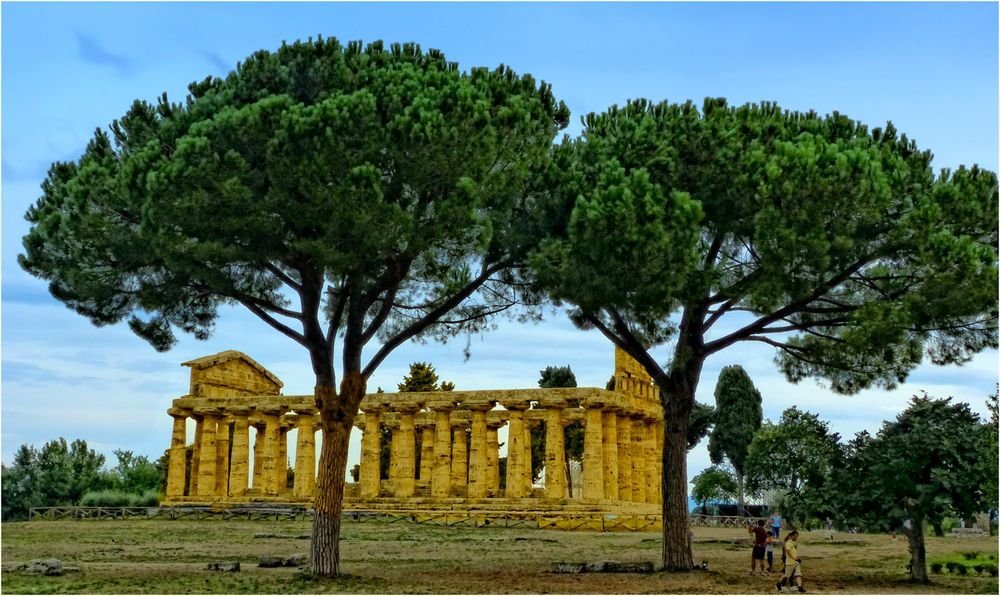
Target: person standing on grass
[770, 552]
[759, 544]
[793, 568]
[776, 523]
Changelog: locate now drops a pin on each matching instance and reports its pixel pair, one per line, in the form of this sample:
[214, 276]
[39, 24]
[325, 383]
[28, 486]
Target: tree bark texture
[676, 528]
[740, 500]
[918, 550]
[337, 417]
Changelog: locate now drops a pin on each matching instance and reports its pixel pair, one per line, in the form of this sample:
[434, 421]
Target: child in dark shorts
[759, 545]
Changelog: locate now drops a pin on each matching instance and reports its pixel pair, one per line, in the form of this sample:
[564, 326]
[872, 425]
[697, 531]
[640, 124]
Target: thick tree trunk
[938, 530]
[337, 416]
[918, 551]
[676, 526]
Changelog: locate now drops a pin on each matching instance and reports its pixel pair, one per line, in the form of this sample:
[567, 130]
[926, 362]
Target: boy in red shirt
[759, 545]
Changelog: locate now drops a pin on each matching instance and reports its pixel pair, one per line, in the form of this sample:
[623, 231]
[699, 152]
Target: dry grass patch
[169, 557]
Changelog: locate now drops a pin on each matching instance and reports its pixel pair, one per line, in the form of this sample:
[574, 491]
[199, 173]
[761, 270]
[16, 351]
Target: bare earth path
[169, 557]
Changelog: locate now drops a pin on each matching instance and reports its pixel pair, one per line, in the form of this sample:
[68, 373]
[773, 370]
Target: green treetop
[738, 416]
[836, 244]
[340, 193]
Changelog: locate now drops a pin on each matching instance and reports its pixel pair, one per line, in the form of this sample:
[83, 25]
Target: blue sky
[70, 68]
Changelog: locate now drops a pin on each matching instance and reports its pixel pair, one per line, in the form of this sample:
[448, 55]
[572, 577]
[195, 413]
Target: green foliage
[386, 170]
[923, 466]
[797, 452]
[700, 423]
[550, 378]
[846, 251]
[990, 453]
[136, 474]
[57, 474]
[423, 377]
[119, 498]
[713, 484]
[738, 415]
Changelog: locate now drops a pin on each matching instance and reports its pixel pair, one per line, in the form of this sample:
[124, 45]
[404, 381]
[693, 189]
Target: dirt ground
[170, 557]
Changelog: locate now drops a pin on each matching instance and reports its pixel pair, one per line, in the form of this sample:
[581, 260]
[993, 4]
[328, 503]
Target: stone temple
[242, 425]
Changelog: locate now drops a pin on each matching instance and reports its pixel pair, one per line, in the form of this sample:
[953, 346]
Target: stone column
[222, 457]
[493, 457]
[653, 463]
[305, 454]
[406, 458]
[459, 452]
[638, 460]
[370, 474]
[528, 459]
[593, 451]
[199, 427]
[478, 450]
[207, 457]
[609, 437]
[555, 449]
[240, 459]
[441, 480]
[178, 454]
[269, 465]
[391, 421]
[624, 428]
[515, 450]
[426, 452]
[258, 457]
[281, 470]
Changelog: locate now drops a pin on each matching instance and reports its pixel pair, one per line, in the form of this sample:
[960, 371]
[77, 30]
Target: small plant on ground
[962, 569]
[951, 565]
[936, 567]
[979, 568]
[970, 555]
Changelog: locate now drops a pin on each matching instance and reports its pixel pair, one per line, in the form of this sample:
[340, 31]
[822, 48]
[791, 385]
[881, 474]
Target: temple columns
[222, 457]
[406, 458]
[239, 468]
[305, 455]
[441, 480]
[555, 449]
[370, 451]
[593, 452]
[207, 457]
[624, 430]
[516, 464]
[478, 452]
[493, 457]
[178, 455]
[609, 439]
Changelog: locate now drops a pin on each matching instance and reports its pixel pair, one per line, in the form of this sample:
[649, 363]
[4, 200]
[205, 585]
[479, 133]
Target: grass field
[169, 557]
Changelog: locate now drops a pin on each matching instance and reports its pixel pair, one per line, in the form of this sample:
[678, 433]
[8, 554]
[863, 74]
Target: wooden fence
[596, 522]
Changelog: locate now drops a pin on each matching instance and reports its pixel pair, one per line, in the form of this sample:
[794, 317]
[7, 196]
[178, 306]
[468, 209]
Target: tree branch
[429, 318]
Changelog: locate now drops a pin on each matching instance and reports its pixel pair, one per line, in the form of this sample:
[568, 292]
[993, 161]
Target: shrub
[962, 569]
[951, 565]
[978, 568]
[106, 498]
[991, 568]
[970, 555]
[118, 498]
[936, 567]
[149, 498]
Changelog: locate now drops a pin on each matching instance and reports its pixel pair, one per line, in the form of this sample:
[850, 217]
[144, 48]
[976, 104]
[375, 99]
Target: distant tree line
[64, 474]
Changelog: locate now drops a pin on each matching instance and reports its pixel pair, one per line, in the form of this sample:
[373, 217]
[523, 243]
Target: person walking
[775, 520]
[793, 567]
[759, 544]
[770, 552]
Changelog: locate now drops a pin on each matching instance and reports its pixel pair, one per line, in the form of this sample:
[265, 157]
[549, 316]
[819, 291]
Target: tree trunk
[740, 500]
[676, 526]
[918, 552]
[938, 530]
[337, 417]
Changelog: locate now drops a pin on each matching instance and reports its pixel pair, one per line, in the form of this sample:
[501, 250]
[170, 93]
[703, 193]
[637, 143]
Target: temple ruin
[459, 459]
